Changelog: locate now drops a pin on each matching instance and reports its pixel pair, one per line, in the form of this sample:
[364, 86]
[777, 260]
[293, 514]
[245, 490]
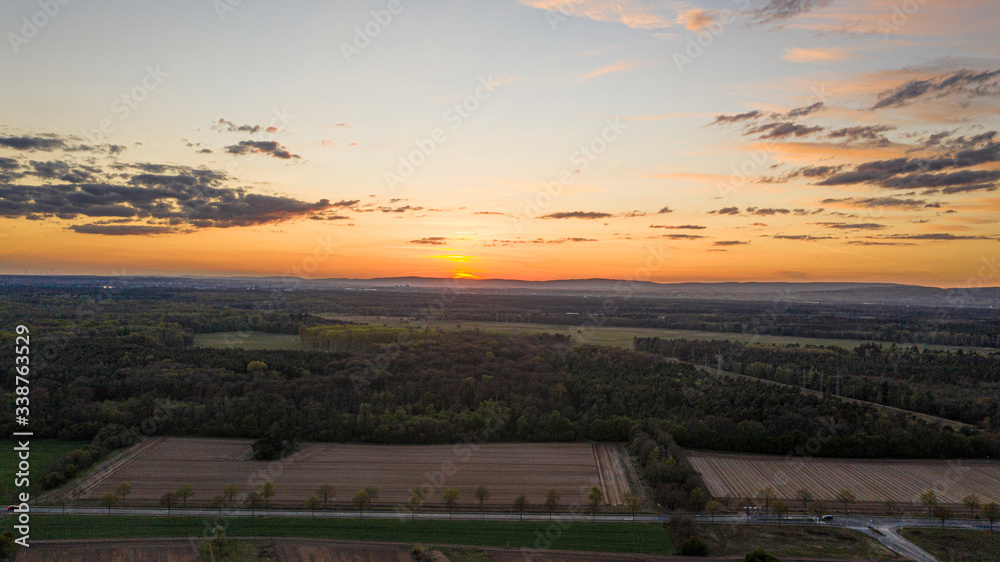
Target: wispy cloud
[636, 14]
[615, 67]
[799, 54]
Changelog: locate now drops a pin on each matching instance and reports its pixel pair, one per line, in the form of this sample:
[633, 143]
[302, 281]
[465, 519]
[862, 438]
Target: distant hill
[816, 292]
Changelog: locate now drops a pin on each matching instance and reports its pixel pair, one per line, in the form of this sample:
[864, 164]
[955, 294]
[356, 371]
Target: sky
[672, 141]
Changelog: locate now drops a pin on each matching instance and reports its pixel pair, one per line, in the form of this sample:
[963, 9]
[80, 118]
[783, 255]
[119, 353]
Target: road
[883, 530]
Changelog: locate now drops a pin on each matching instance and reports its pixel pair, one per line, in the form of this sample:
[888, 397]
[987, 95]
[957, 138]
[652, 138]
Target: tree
[943, 513]
[417, 497]
[123, 490]
[253, 501]
[520, 504]
[847, 498]
[596, 498]
[168, 500]
[817, 508]
[185, 492]
[713, 508]
[362, 500]
[632, 503]
[890, 507]
[551, 501]
[928, 499]
[325, 492]
[450, 498]
[971, 501]
[482, 494]
[266, 492]
[766, 495]
[780, 508]
[312, 504]
[760, 556]
[804, 496]
[230, 491]
[373, 492]
[109, 501]
[217, 501]
[991, 512]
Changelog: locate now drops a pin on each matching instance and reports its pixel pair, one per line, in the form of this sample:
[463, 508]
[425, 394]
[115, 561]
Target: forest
[952, 385]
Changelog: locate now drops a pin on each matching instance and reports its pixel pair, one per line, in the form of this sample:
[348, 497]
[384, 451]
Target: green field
[249, 340]
[43, 453]
[956, 544]
[609, 336]
[793, 542]
[598, 537]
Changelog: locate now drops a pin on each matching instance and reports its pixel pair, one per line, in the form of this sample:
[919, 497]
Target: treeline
[952, 385]
[449, 386]
[74, 463]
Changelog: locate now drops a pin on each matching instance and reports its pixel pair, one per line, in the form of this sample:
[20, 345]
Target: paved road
[883, 530]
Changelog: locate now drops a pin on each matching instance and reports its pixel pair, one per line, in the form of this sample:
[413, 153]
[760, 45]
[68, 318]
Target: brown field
[132, 550]
[871, 481]
[160, 465]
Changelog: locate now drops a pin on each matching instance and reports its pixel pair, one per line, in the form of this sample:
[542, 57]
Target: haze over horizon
[670, 141]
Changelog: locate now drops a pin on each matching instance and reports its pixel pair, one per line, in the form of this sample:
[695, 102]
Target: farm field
[790, 541]
[160, 465]
[612, 336]
[598, 537]
[871, 481]
[956, 544]
[160, 550]
[249, 340]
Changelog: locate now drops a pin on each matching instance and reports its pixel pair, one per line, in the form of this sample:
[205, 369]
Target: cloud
[578, 215]
[271, 148]
[682, 236]
[855, 226]
[167, 195]
[730, 243]
[45, 143]
[965, 83]
[778, 11]
[936, 236]
[346, 203]
[869, 135]
[612, 68]
[695, 19]
[637, 14]
[805, 110]
[679, 227]
[726, 211]
[798, 54]
[664, 211]
[881, 203]
[431, 241]
[225, 126]
[805, 237]
[738, 118]
[767, 212]
[122, 229]
[783, 130]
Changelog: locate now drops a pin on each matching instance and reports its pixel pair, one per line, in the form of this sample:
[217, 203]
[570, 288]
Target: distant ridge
[817, 292]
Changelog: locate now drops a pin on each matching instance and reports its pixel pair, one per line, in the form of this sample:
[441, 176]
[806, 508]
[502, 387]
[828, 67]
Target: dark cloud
[805, 110]
[738, 118]
[271, 148]
[681, 236]
[226, 126]
[122, 229]
[767, 212]
[852, 226]
[874, 243]
[869, 135]
[730, 243]
[346, 203]
[783, 130]
[9, 164]
[940, 236]
[778, 11]
[664, 211]
[402, 209]
[803, 237]
[726, 211]
[431, 241]
[966, 83]
[882, 203]
[589, 215]
[679, 227]
[168, 195]
[46, 143]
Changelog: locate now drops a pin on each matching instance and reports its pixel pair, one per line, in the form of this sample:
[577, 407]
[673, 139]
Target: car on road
[827, 518]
